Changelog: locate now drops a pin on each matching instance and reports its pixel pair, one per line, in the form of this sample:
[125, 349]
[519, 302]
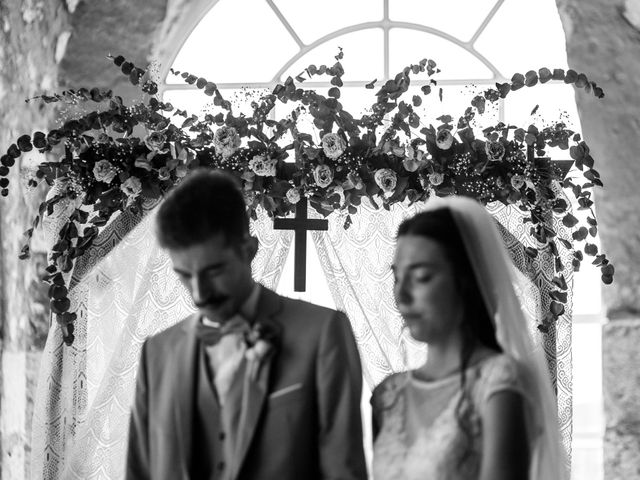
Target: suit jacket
[302, 417]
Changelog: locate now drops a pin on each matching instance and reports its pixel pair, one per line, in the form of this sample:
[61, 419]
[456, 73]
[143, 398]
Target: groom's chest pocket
[289, 396]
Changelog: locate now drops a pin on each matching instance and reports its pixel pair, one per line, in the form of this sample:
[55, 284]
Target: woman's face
[425, 289]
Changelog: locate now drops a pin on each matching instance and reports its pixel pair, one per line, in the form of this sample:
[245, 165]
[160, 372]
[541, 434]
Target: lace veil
[498, 281]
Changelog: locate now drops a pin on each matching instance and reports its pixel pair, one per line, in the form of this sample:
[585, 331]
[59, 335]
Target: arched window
[249, 45]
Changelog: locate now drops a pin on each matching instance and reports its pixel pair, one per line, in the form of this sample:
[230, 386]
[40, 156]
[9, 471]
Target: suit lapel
[186, 369]
[255, 390]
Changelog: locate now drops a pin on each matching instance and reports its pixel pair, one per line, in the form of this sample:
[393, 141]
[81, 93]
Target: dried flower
[323, 175]
[444, 139]
[131, 187]
[293, 195]
[386, 179]
[156, 141]
[263, 166]
[495, 150]
[226, 141]
[104, 171]
[518, 181]
[333, 145]
[436, 178]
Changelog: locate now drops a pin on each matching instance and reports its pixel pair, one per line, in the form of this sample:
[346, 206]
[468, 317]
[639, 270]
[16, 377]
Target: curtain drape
[81, 414]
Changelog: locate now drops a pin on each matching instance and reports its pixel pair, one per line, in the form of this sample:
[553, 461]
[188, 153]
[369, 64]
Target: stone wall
[46, 46]
[603, 40]
[32, 40]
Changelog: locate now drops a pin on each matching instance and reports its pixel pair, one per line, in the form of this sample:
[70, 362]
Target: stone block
[621, 379]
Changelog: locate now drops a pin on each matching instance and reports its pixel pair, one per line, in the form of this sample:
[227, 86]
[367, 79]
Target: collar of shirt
[248, 309]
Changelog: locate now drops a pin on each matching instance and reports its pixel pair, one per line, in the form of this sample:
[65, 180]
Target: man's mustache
[213, 300]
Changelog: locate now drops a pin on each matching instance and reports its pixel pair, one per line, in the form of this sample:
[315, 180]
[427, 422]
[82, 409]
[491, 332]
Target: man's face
[217, 273]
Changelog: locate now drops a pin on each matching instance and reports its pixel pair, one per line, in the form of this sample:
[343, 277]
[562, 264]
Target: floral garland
[386, 156]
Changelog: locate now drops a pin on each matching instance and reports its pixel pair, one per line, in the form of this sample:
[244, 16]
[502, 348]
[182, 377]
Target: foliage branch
[103, 166]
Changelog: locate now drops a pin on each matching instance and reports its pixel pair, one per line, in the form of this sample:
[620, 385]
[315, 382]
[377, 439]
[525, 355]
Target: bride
[481, 407]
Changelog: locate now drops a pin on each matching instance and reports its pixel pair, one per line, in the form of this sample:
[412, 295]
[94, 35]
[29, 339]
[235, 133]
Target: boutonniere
[262, 341]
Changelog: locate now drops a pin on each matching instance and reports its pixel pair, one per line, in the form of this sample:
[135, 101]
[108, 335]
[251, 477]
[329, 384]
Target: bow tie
[211, 334]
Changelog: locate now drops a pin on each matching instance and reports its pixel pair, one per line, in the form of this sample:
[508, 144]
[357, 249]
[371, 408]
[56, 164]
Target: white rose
[444, 139]
[323, 175]
[386, 179]
[104, 171]
[333, 145]
[293, 195]
[155, 142]
[495, 151]
[436, 178]
[226, 141]
[518, 181]
[132, 187]
[263, 166]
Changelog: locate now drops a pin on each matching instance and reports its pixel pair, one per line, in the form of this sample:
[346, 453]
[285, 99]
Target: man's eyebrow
[213, 266]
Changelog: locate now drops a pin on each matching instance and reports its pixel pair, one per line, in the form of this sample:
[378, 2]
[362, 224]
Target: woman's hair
[477, 326]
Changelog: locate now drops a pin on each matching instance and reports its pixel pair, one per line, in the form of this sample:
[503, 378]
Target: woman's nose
[402, 292]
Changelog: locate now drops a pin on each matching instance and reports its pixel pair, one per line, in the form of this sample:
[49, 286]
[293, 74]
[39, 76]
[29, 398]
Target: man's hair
[206, 203]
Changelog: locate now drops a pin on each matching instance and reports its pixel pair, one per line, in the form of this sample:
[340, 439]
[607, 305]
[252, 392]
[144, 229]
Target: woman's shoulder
[393, 381]
[388, 387]
[500, 372]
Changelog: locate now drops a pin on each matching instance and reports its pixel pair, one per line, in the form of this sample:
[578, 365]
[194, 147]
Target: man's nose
[200, 290]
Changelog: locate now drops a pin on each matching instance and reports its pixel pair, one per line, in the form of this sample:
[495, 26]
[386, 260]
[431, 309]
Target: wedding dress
[420, 438]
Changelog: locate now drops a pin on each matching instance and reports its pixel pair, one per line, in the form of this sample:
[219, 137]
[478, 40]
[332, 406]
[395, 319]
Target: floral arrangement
[116, 156]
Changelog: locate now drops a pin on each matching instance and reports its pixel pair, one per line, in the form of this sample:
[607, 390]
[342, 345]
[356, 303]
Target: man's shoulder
[171, 334]
[307, 311]
[305, 318]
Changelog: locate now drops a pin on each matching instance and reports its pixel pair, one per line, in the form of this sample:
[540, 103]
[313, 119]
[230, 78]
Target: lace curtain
[125, 291]
[81, 415]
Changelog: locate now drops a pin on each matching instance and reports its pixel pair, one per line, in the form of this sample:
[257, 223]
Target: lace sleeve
[500, 374]
[384, 396]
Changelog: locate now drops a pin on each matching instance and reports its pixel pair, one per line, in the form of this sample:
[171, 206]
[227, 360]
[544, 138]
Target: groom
[254, 385]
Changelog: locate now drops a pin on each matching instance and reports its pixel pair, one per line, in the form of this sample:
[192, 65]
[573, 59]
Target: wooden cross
[300, 225]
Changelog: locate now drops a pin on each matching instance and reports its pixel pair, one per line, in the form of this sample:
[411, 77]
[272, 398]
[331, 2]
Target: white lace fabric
[127, 292]
[420, 437]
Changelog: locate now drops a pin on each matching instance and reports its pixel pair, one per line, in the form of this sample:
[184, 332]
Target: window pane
[524, 35]
[313, 20]
[363, 56]
[460, 18]
[236, 41]
[410, 46]
[588, 417]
